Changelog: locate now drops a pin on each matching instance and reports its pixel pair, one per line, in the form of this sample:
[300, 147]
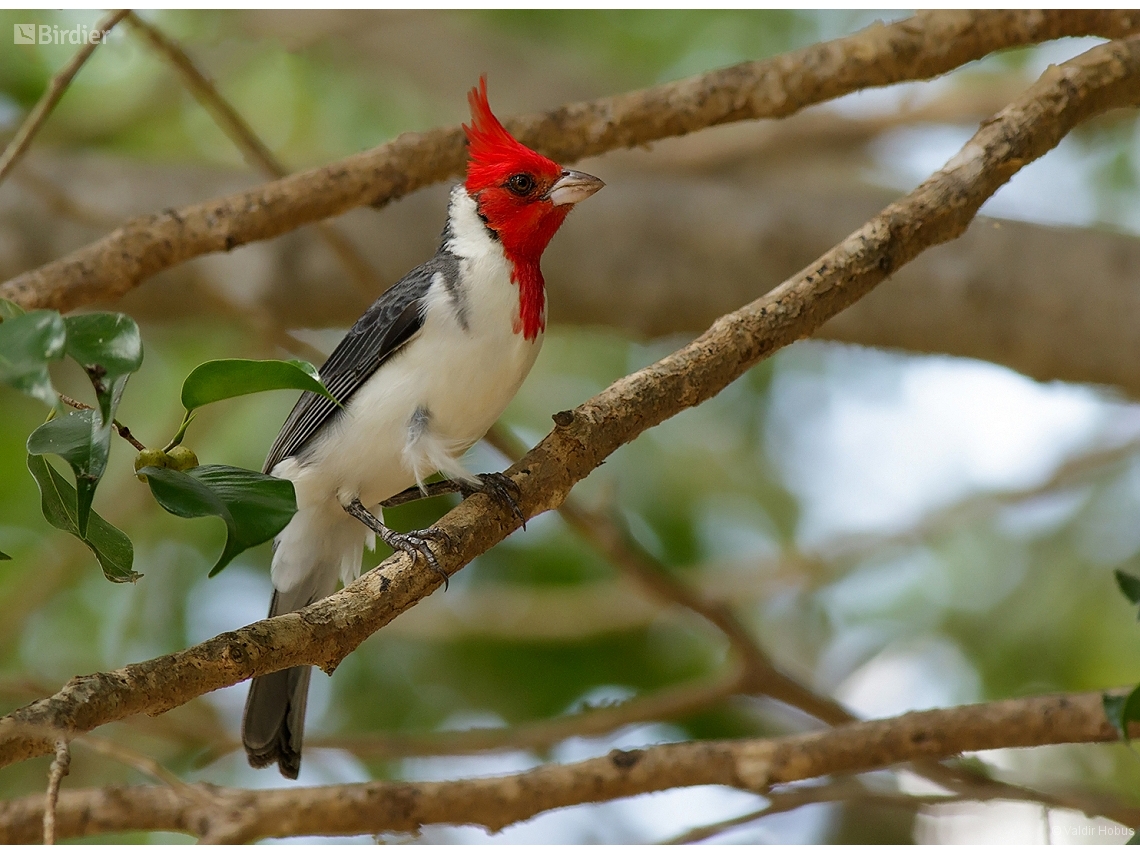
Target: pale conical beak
[572, 187]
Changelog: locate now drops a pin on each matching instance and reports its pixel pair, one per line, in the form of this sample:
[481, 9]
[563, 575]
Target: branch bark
[323, 634]
[925, 46]
[235, 816]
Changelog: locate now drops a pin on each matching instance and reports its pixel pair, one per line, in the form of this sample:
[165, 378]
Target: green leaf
[108, 346]
[112, 548]
[27, 344]
[229, 378]
[82, 440]
[254, 507]
[1129, 586]
[1120, 711]
[9, 310]
[108, 339]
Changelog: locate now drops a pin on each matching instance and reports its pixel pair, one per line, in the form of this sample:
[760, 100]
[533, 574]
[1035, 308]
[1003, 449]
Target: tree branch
[853, 790]
[670, 703]
[925, 46]
[323, 634]
[60, 766]
[137, 761]
[235, 816]
[842, 790]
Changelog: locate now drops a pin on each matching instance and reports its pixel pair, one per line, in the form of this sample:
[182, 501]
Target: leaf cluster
[254, 506]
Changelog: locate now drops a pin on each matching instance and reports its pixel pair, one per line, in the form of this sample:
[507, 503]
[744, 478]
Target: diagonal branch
[58, 85]
[854, 791]
[235, 816]
[671, 703]
[918, 48]
[938, 210]
[850, 790]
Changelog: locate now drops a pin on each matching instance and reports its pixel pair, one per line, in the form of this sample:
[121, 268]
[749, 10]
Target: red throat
[531, 319]
[524, 222]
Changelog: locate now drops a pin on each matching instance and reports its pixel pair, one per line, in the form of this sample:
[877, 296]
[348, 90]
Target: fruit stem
[120, 428]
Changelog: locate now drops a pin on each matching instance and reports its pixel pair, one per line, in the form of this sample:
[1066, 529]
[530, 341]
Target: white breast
[440, 393]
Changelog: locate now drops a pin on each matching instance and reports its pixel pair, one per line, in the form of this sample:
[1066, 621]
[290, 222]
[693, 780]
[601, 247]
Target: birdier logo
[49, 34]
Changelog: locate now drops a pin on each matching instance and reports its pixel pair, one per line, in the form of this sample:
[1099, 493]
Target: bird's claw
[413, 543]
[416, 544]
[501, 488]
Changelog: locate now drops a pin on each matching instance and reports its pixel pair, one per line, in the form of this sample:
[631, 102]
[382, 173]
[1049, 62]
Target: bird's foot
[416, 544]
[501, 488]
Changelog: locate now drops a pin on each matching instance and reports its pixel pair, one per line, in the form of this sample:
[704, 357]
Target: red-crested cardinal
[421, 376]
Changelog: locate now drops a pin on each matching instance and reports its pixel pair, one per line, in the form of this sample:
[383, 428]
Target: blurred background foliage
[898, 531]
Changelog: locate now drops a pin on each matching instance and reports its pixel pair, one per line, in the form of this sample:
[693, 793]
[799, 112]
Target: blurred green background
[898, 531]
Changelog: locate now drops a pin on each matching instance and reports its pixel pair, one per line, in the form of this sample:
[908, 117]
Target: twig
[121, 429]
[1077, 470]
[58, 85]
[60, 766]
[922, 47]
[854, 790]
[843, 790]
[61, 203]
[324, 633]
[668, 704]
[141, 763]
[255, 152]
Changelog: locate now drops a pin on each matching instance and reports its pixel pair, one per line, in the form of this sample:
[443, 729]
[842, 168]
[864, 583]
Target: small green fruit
[182, 458]
[151, 457]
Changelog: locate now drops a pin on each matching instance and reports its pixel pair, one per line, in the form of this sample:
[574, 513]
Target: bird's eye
[520, 183]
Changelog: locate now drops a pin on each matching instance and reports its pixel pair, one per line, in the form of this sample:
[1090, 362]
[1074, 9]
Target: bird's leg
[414, 543]
[412, 494]
[495, 484]
[499, 487]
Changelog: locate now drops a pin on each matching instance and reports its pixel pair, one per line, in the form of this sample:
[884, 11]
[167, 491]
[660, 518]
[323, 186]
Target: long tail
[274, 722]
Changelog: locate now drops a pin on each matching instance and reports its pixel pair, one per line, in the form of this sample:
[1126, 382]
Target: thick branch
[324, 633]
[234, 816]
[925, 46]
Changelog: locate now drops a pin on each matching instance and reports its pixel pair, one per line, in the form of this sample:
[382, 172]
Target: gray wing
[389, 323]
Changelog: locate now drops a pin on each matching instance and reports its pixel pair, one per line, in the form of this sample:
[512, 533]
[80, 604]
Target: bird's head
[522, 196]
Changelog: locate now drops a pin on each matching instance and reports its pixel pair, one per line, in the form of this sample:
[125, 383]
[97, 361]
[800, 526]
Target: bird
[418, 379]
